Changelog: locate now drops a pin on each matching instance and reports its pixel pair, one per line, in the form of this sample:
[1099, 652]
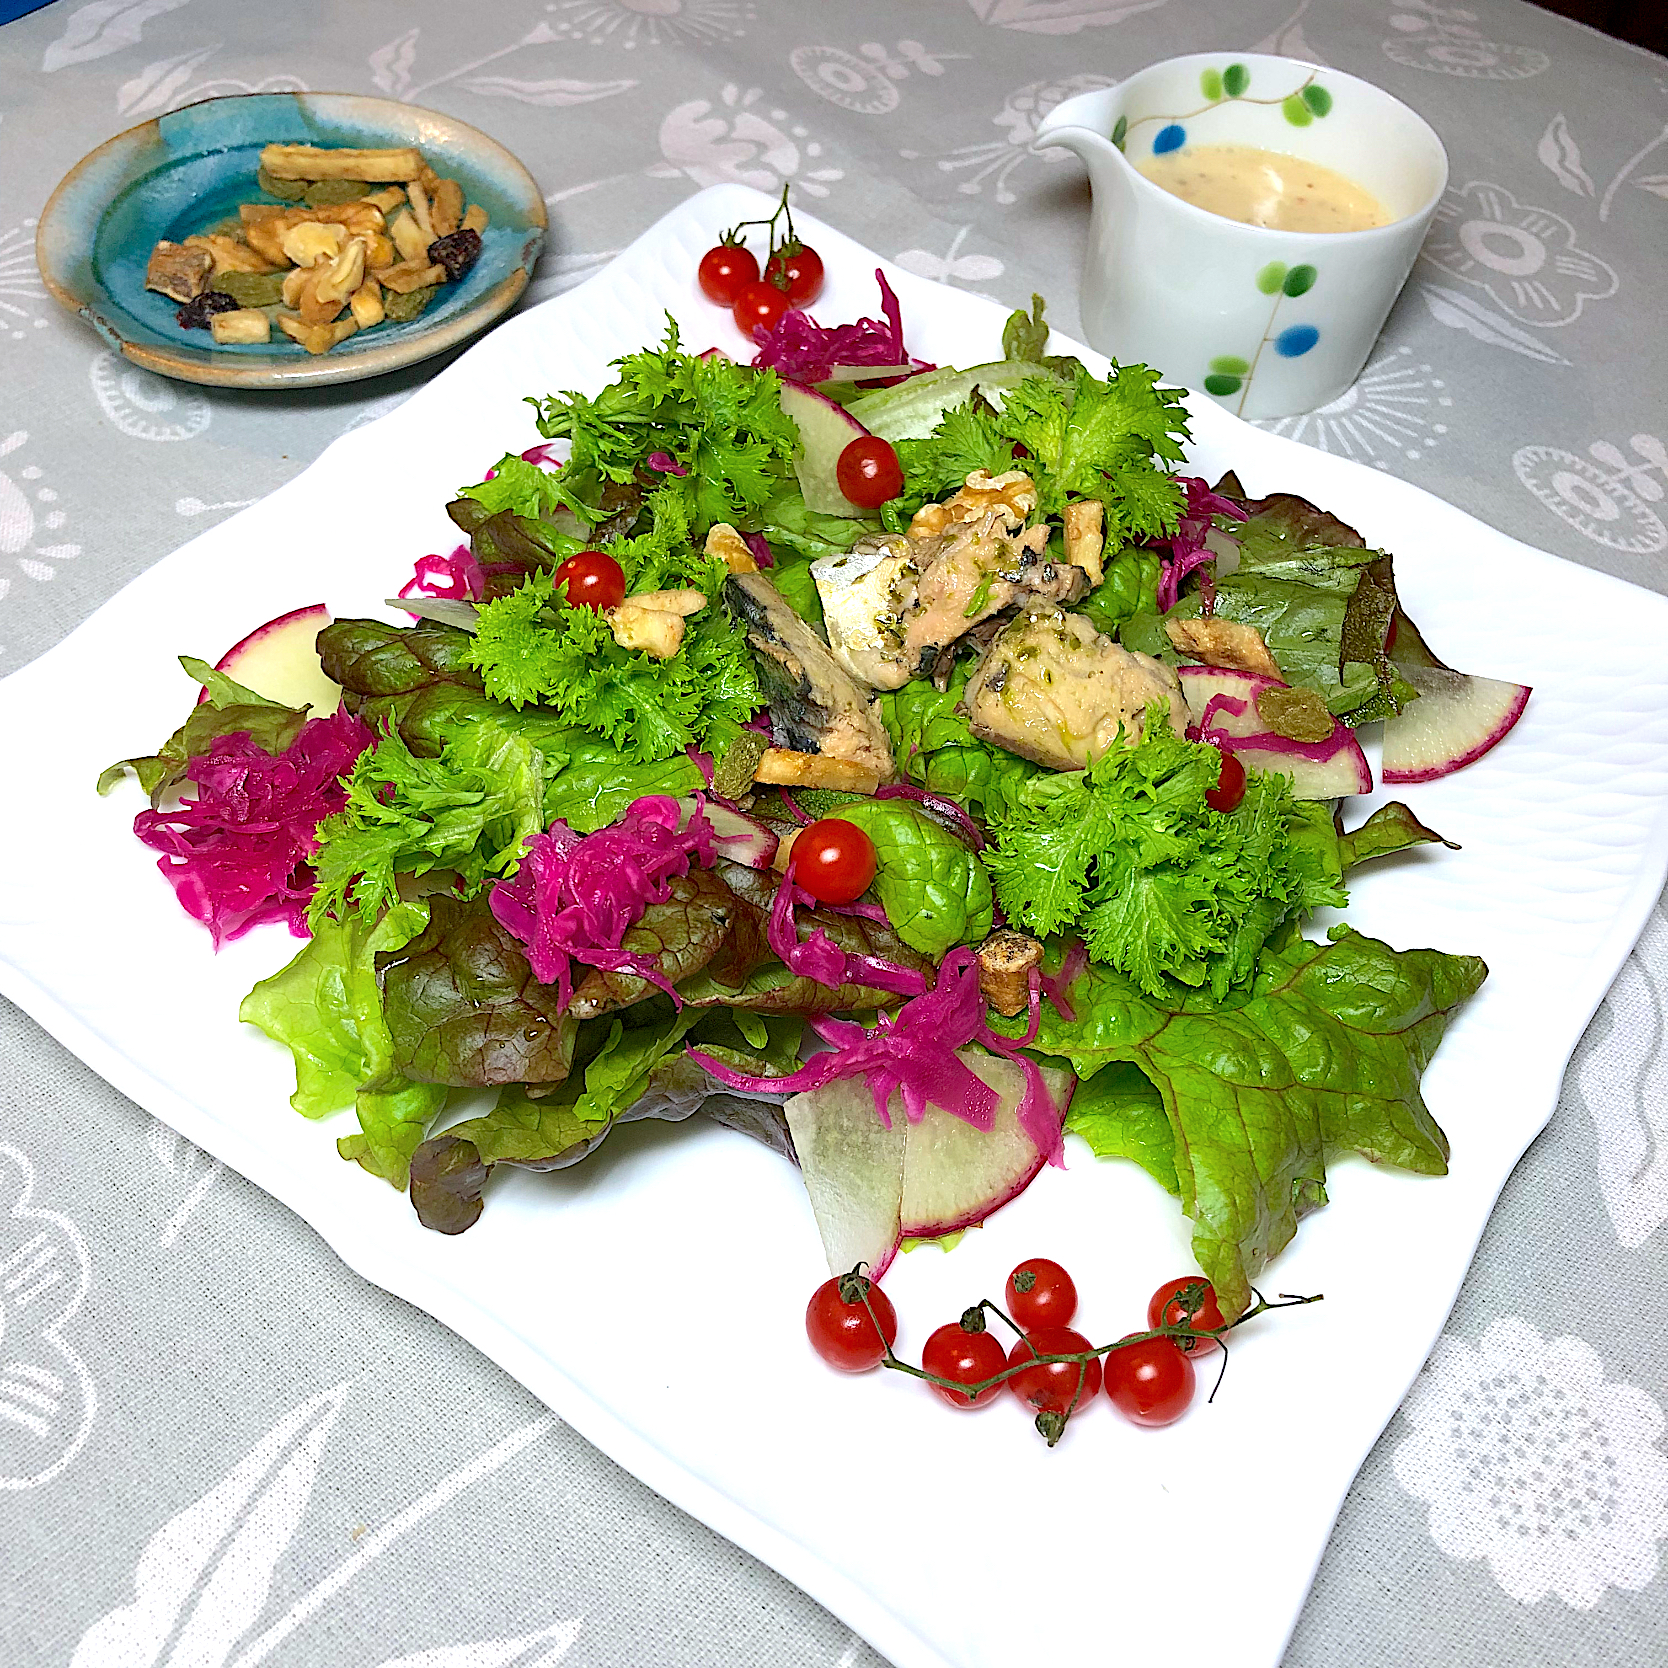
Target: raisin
[195, 314]
[457, 252]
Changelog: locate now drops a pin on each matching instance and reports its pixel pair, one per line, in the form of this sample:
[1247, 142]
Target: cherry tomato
[759, 303]
[1230, 784]
[1150, 1382]
[840, 1328]
[868, 472]
[966, 1357]
[593, 580]
[1041, 1293]
[1052, 1386]
[725, 271]
[796, 268]
[1167, 1308]
[833, 860]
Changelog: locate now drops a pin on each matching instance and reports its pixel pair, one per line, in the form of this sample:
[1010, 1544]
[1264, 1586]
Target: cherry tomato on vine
[840, 1327]
[1041, 1293]
[834, 860]
[967, 1358]
[725, 271]
[759, 303]
[1150, 1382]
[1051, 1386]
[593, 580]
[797, 268]
[869, 473]
[1166, 1308]
[1230, 784]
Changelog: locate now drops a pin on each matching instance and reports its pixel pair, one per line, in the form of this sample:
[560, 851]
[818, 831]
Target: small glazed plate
[184, 171]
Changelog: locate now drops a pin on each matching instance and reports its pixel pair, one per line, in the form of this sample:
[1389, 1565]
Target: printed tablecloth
[216, 1446]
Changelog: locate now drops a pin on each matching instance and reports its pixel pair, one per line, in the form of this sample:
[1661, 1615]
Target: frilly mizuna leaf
[103, 27]
[204, 1576]
[1459, 312]
[543, 1649]
[1559, 152]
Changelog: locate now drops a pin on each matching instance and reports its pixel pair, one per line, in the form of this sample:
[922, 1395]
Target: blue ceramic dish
[192, 167]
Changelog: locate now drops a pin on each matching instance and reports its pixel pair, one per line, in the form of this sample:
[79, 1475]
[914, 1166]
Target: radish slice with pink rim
[1456, 720]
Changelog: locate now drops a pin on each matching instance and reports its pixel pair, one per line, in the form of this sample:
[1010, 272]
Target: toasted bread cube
[655, 631]
[386, 200]
[783, 768]
[246, 324]
[178, 272]
[1085, 540]
[724, 541]
[682, 601]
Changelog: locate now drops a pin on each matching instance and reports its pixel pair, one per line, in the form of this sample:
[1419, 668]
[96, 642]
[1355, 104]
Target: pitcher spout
[1082, 125]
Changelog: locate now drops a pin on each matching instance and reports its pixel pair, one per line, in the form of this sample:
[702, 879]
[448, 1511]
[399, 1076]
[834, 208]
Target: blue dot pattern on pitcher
[1229, 85]
[1168, 139]
[1230, 373]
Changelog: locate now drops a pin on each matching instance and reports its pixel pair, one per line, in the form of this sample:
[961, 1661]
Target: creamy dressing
[1265, 188]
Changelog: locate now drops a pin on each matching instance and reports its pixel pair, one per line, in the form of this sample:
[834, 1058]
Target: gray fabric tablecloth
[181, 1357]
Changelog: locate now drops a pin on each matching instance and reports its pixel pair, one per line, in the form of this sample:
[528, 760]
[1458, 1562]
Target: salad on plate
[906, 765]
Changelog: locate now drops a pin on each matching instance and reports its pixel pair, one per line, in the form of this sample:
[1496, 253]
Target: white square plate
[923, 1528]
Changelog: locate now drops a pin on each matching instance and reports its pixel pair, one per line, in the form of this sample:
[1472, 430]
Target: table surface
[218, 1443]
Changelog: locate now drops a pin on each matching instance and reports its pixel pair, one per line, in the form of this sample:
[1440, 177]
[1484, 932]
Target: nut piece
[446, 207]
[683, 601]
[316, 338]
[1227, 643]
[344, 274]
[1085, 541]
[379, 252]
[782, 768]
[312, 241]
[245, 324]
[417, 195]
[408, 237]
[474, 219]
[655, 631]
[311, 162]
[411, 275]
[1012, 496]
[723, 540]
[366, 304]
[230, 254]
[180, 273]
[386, 200]
[1005, 960]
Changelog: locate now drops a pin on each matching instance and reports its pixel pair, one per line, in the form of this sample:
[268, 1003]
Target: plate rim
[312, 371]
[498, 1339]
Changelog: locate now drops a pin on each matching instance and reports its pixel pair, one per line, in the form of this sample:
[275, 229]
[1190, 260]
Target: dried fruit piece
[457, 253]
[252, 289]
[242, 324]
[321, 193]
[403, 307]
[316, 338]
[291, 191]
[196, 313]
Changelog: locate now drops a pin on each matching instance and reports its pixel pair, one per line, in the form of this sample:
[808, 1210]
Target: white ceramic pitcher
[1269, 322]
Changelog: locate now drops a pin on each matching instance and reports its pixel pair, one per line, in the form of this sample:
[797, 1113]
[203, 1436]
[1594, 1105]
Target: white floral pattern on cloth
[631, 23]
[28, 510]
[1622, 1071]
[865, 81]
[1442, 39]
[1460, 311]
[1561, 155]
[1525, 257]
[47, 1397]
[1608, 498]
[393, 66]
[1288, 40]
[167, 84]
[1528, 1457]
[952, 267]
[22, 294]
[103, 27]
[193, 1170]
[1390, 410]
[741, 140]
[1058, 17]
[995, 161]
[145, 406]
[204, 1578]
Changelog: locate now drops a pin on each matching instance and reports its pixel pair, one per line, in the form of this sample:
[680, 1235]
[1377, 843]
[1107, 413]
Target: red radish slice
[1455, 721]
[826, 428]
[740, 838]
[1224, 704]
[280, 660]
[871, 1188]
